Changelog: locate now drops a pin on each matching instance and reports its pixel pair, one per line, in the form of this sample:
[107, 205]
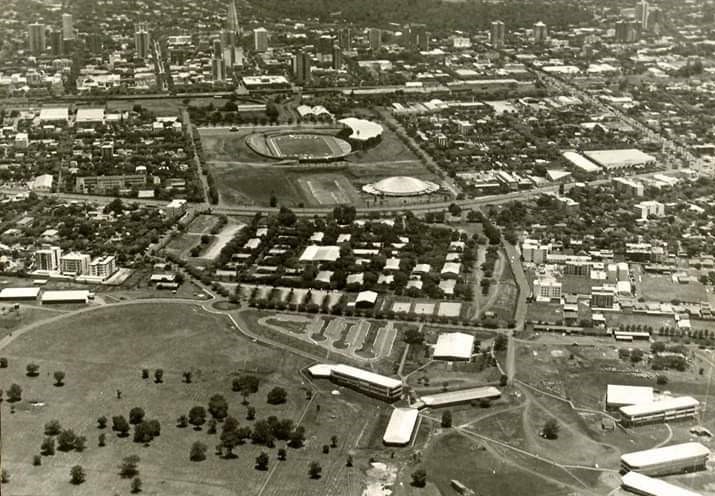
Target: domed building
[401, 186]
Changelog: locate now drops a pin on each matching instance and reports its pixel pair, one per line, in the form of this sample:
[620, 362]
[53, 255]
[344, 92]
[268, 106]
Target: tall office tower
[540, 33]
[324, 48]
[655, 19]
[56, 42]
[419, 38]
[345, 39]
[218, 69]
[337, 58]
[233, 56]
[627, 31]
[232, 18]
[374, 35]
[260, 39]
[142, 40]
[67, 27]
[497, 34]
[228, 38]
[217, 48]
[302, 67]
[642, 13]
[94, 43]
[36, 38]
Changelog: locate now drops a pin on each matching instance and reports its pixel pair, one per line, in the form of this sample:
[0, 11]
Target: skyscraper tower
[67, 27]
[302, 67]
[540, 32]
[345, 39]
[232, 18]
[374, 35]
[642, 13]
[36, 38]
[260, 39]
[497, 34]
[142, 40]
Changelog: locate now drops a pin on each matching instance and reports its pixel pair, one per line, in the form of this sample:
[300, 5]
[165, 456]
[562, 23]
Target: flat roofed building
[48, 258]
[54, 114]
[75, 263]
[620, 159]
[370, 383]
[648, 486]
[456, 397]
[19, 293]
[315, 253]
[454, 346]
[103, 266]
[677, 408]
[674, 459]
[400, 427]
[89, 116]
[66, 296]
[618, 395]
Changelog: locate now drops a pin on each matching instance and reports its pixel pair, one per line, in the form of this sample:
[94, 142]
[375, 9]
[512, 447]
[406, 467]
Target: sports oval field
[298, 146]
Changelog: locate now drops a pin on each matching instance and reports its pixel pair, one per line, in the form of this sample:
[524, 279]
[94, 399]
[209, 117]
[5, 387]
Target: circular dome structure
[401, 186]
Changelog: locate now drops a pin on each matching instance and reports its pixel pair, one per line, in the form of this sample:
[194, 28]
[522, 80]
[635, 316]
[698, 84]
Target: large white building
[547, 289]
[400, 427]
[618, 395]
[103, 267]
[533, 251]
[650, 208]
[48, 259]
[648, 486]
[454, 346]
[673, 459]
[663, 410]
[75, 263]
[370, 383]
[457, 397]
[260, 39]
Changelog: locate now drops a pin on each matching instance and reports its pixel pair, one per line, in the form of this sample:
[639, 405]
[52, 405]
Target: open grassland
[102, 351]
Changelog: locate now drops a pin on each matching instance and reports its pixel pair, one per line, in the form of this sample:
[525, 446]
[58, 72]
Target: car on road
[234, 129]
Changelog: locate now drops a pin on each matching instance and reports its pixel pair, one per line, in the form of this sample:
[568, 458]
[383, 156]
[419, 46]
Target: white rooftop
[619, 158]
[401, 426]
[53, 114]
[89, 115]
[460, 396]
[645, 458]
[19, 293]
[618, 395]
[367, 376]
[65, 295]
[642, 484]
[660, 406]
[362, 129]
[454, 345]
[581, 162]
[321, 370]
[315, 253]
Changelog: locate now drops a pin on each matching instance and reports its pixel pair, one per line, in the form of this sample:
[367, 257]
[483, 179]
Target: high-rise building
[642, 13]
[627, 31]
[142, 40]
[56, 42]
[217, 48]
[324, 49]
[228, 38]
[337, 58]
[232, 19]
[418, 37]
[94, 43]
[374, 36]
[260, 39]
[48, 258]
[497, 34]
[345, 39]
[540, 32]
[67, 27]
[218, 69]
[233, 56]
[75, 263]
[302, 67]
[103, 266]
[36, 38]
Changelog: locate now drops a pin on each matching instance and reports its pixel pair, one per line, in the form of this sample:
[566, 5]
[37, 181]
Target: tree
[145, 373]
[102, 440]
[314, 470]
[197, 452]
[187, 376]
[349, 461]
[297, 437]
[129, 467]
[66, 440]
[197, 417]
[182, 421]
[500, 342]
[455, 210]
[143, 433]
[4, 476]
[447, 419]
[136, 415]
[212, 426]
[262, 461]
[550, 429]
[136, 486]
[419, 477]
[37, 460]
[658, 347]
[80, 443]
[333, 441]
[52, 428]
[33, 370]
[47, 448]
[218, 407]
[413, 336]
[326, 449]
[251, 414]
[101, 422]
[282, 454]
[59, 378]
[277, 395]
[14, 393]
[636, 355]
[120, 424]
[661, 380]
[77, 475]
[158, 376]
[230, 436]
[3, 363]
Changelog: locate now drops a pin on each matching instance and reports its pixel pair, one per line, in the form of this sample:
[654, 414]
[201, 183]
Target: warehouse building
[454, 346]
[674, 459]
[457, 397]
[400, 427]
[648, 486]
[618, 395]
[678, 408]
[370, 383]
[67, 296]
[17, 294]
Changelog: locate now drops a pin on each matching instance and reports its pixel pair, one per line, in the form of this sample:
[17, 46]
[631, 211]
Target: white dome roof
[401, 186]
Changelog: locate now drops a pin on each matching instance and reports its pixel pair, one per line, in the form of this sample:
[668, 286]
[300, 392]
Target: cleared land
[104, 351]
[662, 288]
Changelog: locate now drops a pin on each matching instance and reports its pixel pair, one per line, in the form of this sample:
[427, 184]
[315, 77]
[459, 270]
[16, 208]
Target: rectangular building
[68, 296]
[457, 397]
[380, 386]
[48, 259]
[454, 346]
[106, 184]
[103, 267]
[400, 427]
[17, 294]
[618, 395]
[75, 263]
[674, 459]
[648, 486]
[677, 408]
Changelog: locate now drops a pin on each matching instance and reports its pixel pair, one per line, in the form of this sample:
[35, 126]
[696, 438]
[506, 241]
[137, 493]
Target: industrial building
[674, 459]
[400, 427]
[18, 294]
[663, 410]
[618, 396]
[370, 383]
[66, 296]
[648, 486]
[454, 346]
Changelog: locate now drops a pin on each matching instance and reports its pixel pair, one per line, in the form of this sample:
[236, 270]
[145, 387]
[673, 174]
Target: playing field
[104, 350]
[301, 146]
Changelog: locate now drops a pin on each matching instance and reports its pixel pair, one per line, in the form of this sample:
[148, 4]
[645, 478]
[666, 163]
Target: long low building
[648, 486]
[19, 293]
[66, 296]
[400, 427]
[370, 383]
[674, 459]
[664, 410]
[456, 397]
[619, 395]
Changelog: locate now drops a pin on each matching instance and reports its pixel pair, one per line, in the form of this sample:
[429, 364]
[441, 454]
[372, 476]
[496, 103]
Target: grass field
[202, 224]
[662, 288]
[305, 145]
[104, 350]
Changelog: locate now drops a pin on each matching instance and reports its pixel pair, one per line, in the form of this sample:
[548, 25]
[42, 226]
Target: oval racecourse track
[298, 145]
